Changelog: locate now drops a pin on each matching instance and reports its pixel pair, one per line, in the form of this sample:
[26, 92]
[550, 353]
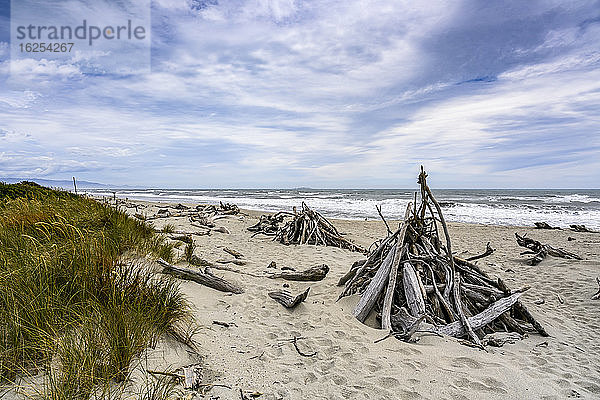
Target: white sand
[256, 355]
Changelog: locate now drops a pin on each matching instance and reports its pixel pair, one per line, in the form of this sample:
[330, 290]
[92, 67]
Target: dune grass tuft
[74, 302]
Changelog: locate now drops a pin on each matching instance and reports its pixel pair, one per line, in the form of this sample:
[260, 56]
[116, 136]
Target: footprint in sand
[471, 383]
[388, 381]
[339, 334]
[465, 362]
[339, 379]
[409, 395]
[310, 377]
[590, 386]
[324, 342]
[373, 366]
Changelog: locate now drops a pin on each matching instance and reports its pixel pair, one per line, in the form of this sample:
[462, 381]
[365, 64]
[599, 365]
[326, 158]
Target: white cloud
[29, 66]
[19, 99]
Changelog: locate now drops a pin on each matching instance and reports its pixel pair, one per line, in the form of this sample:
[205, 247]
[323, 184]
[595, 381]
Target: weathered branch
[205, 277]
[286, 299]
[316, 273]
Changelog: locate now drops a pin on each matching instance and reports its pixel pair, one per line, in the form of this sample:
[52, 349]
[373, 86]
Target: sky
[322, 93]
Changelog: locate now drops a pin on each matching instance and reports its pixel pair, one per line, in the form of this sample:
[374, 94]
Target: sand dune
[255, 352]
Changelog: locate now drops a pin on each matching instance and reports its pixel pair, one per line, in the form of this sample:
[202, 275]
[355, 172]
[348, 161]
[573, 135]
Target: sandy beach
[255, 352]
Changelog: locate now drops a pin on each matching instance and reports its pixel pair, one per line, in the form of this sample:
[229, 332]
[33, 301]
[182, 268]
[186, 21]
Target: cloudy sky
[321, 93]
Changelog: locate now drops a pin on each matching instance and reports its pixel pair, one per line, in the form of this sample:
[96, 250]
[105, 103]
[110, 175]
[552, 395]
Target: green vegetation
[168, 228]
[76, 302]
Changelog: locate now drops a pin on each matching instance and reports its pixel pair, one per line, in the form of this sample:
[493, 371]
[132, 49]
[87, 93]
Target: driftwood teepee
[304, 227]
[414, 282]
[310, 227]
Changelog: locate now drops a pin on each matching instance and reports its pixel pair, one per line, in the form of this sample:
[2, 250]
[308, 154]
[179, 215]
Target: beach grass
[78, 304]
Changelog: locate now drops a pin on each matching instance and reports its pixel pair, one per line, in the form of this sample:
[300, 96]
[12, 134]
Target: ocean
[517, 207]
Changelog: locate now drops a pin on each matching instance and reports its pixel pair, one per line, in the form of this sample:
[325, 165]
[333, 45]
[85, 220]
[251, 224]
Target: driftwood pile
[304, 227]
[545, 225]
[414, 282]
[310, 227]
[581, 228]
[221, 209]
[574, 227]
[540, 250]
[269, 224]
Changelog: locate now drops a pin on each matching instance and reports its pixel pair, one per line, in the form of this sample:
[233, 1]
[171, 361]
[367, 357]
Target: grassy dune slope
[71, 306]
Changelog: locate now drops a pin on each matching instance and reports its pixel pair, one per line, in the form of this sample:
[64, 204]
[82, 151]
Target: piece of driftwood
[544, 225]
[387, 226]
[286, 299]
[228, 209]
[316, 273]
[220, 229]
[523, 311]
[351, 272]
[388, 298]
[540, 251]
[597, 295]
[203, 220]
[269, 224]
[200, 262]
[192, 376]
[581, 228]
[205, 277]
[414, 269]
[499, 339]
[182, 238]
[185, 233]
[222, 209]
[488, 251]
[404, 324]
[412, 291]
[374, 289]
[223, 324]
[233, 261]
[310, 227]
[456, 329]
[170, 215]
[234, 253]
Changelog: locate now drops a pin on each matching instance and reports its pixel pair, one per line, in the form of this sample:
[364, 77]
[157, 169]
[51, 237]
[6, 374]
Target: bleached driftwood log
[544, 225]
[456, 329]
[581, 228]
[540, 251]
[372, 292]
[205, 277]
[488, 251]
[316, 273]
[286, 299]
[412, 291]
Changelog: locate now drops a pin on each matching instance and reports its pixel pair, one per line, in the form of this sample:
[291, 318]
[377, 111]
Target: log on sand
[288, 300]
[316, 273]
[205, 277]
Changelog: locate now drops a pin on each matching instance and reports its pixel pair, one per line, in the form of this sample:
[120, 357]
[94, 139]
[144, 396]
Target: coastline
[488, 206]
[255, 353]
